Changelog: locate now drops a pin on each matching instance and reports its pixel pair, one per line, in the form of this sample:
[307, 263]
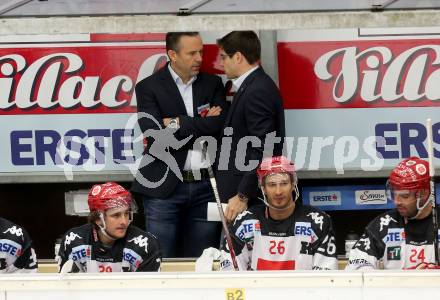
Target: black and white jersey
[304, 241]
[390, 243]
[138, 251]
[16, 251]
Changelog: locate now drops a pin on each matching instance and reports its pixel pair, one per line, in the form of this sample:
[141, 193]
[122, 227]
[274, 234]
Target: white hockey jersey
[304, 241]
[390, 243]
[138, 251]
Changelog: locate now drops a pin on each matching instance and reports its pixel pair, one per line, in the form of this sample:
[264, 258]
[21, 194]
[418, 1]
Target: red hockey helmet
[410, 174]
[273, 165]
[109, 195]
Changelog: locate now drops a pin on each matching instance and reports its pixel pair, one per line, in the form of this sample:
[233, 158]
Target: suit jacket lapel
[171, 88]
[239, 93]
[197, 90]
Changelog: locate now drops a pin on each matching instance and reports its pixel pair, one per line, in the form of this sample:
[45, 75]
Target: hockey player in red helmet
[401, 238]
[283, 234]
[109, 242]
[107, 202]
[277, 180]
[408, 187]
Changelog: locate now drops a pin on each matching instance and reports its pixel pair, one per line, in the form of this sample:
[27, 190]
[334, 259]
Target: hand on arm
[235, 206]
[214, 111]
[166, 121]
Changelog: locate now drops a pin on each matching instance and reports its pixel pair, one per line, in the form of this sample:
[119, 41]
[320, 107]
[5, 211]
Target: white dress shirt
[237, 82]
[194, 160]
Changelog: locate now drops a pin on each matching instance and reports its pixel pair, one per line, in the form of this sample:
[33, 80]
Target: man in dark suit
[172, 178]
[254, 123]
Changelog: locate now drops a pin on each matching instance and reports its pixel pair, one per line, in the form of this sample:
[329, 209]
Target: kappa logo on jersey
[317, 218]
[395, 235]
[10, 247]
[141, 241]
[305, 248]
[385, 221]
[365, 241]
[70, 238]
[393, 253]
[132, 258]
[14, 230]
[245, 229]
[240, 216]
[303, 228]
[80, 252]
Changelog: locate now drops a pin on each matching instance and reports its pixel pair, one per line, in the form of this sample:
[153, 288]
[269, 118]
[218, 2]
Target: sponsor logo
[393, 253]
[303, 228]
[421, 169]
[14, 230]
[382, 70]
[325, 198]
[395, 235]
[385, 221]
[317, 218]
[359, 262]
[132, 258]
[141, 241]
[225, 264]
[68, 80]
[365, 242]
[80, 252]
[305, 248]
[10, 247]
[245, 229]
[370, 197]
[70, 237]
[96, 190]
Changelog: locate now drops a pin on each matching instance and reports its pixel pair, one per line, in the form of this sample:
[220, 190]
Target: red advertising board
[360, 73]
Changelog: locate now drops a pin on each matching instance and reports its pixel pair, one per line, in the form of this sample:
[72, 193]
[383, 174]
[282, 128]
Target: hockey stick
[432, 186]
[219, 206]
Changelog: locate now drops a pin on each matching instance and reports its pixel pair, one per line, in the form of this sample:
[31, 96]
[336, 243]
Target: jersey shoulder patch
[140, 241]
[382, 223]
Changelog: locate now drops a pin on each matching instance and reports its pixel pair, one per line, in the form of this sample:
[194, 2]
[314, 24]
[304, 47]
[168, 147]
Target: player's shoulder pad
[388, 219]
[140, 240]
[77, 235]
[13, 232]
[317, 218]
[249, 214]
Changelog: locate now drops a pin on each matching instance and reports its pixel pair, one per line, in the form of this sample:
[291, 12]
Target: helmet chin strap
[420, 208]
[264, 200]
[102, 228]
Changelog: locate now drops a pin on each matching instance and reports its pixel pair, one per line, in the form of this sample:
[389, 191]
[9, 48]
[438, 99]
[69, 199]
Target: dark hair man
[174, 184]
[283, 234]
[256, 112]
[109, 243]
[401, 238]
